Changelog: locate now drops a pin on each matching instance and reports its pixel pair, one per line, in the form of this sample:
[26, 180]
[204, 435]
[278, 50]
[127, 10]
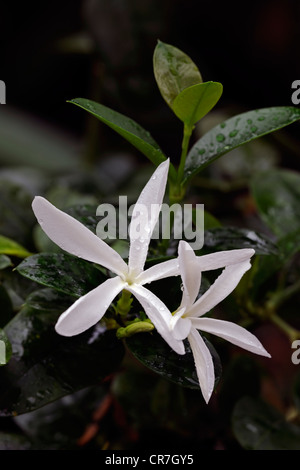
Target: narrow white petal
[159, 271]
[220, 289]
[205, 263]
[158, 313]
[204, 364]
[73, 237]
[190, 273]
[146, 211]
[89, 309]
[233, 333]
[221, 259]
[180, 326]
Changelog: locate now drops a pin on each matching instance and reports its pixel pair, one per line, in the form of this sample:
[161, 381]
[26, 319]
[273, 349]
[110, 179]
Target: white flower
[189, 316]
[73, 237]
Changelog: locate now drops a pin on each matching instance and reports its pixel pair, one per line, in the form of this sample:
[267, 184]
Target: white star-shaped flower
[189, 316]
[73, 237]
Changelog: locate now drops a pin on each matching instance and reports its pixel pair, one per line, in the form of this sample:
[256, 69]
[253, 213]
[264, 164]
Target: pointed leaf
[234, 132]
[10, 247]
[62, 272]
[127, 128]
[193, 103]
[174, 71]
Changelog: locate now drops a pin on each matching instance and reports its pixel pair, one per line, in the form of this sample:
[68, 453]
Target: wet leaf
[127, 128]
[154, 353]
[230, 238]
[234, 132]
[193, 103]
[62, 272]
[174, 71]
[46, 366]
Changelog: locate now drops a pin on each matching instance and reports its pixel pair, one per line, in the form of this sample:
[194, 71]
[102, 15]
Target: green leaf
[5, 262]
[277, 196]
[231, 238]
[174, 71]
[62, 272]
[258, 426]
[193, 103]
[10, 247]
[154, 353]
[127, 128]
[5, 348]
[46, 366]
[234, 132]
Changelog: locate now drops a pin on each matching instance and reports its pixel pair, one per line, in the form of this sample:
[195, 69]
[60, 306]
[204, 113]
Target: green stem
[291, 332]
[187, 132]
[278, 298]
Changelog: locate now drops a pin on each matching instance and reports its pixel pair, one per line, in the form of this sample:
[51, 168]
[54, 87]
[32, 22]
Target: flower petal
[159, 271]
[220, 289]
[89, 309]
[146, 212]
[181, 327]
[204, 364]
[233, 333]
[73, 237]
[206, 263]
[190, 273]
[158, 314]
[224, 258]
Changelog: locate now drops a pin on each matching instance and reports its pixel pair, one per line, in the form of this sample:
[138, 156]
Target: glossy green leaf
[46, 366]
[277, 196]
[154, 353]
[174, 71]
[5, 348]
[258, 426]
[193, 103]
[10, 247]
[62, 272]
[234, 132]
[127, 128]
[231, 238]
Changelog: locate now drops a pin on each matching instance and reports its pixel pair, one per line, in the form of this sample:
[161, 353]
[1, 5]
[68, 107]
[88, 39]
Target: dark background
[252, 48]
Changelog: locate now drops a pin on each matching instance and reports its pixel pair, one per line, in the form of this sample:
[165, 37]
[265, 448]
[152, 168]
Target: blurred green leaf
[277, 195]
[234, 132]
[10, 247]
[62, 272]
[230, 238]
[17, 218]
[258, 426]
[127, 128]
[5, 348]
[5, 262]
[46, 366]
[192, 103]
[27, 141]
[154, 353]
[174, 71]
